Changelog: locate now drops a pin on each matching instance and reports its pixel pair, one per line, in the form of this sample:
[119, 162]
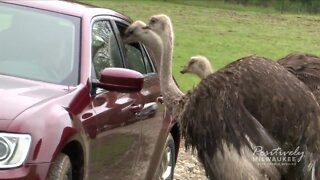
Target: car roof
[69, 7]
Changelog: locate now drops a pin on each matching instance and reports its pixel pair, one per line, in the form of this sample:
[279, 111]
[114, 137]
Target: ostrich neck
[169, 89]
[207, 71]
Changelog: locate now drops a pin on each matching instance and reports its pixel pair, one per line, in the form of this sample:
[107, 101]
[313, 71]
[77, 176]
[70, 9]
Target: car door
[114, 127]
[155, 127]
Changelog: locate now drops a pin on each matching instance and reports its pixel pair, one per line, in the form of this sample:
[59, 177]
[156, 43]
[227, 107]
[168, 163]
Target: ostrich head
[134, 32]
[161, 24]
[198, 65]
[138, 32]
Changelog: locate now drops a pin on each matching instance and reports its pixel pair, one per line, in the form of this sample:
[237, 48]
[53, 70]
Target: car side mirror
[120, 79]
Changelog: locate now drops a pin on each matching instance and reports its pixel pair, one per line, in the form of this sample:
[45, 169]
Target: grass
[225, 32]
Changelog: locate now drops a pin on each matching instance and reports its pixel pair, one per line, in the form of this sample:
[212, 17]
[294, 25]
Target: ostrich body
[250, 102]
[198, 65]
[277, 106]
[305, 67]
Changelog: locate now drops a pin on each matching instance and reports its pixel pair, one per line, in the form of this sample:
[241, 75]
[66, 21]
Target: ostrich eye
[153, 20]
[192, 62]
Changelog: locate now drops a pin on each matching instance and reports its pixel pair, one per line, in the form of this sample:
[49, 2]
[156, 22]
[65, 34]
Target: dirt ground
[188, 167]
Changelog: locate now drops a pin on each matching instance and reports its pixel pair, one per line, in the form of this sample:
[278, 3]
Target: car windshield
[39, 45]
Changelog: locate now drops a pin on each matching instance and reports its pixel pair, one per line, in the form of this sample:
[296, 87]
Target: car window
[104, 47]
[148, 63]
[136, 55]
[135, 58]
[39, 45]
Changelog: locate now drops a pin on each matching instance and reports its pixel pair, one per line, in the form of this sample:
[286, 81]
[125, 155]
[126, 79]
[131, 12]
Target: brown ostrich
[198, 65]
[252, 102]
[305, 67]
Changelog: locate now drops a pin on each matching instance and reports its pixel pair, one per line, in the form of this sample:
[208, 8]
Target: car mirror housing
[120, 80]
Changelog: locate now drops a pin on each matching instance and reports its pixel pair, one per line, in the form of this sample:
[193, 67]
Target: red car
[75, 102]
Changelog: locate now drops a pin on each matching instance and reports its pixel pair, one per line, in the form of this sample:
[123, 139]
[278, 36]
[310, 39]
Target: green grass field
[225, 32]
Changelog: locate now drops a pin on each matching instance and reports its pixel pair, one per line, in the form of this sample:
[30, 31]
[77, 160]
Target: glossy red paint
[104, 134]
[131, 81]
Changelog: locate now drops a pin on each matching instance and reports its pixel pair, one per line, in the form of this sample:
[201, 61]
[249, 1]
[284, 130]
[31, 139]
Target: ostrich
[248, 103]
[305, 67]
[198, 65]
[137, 32]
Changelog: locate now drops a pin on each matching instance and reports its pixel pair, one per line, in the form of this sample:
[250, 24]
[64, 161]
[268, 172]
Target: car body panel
[18, 95]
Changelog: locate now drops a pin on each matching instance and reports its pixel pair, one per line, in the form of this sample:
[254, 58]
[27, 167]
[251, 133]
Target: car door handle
[135, 108]
[160, 99]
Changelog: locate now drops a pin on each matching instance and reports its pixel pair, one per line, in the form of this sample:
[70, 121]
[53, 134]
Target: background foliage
[311, 6]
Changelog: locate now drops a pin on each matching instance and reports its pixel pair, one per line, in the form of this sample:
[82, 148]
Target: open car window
[137, 57]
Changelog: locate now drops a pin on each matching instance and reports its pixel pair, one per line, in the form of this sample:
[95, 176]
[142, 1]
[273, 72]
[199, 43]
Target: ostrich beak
[146, 27]
[184, 70]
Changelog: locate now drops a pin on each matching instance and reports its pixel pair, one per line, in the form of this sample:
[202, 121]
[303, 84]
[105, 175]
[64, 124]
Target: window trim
[119, 40]
[146, 54]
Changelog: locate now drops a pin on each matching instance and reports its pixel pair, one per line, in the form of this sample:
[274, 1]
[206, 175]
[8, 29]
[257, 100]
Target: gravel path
[188, 167]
